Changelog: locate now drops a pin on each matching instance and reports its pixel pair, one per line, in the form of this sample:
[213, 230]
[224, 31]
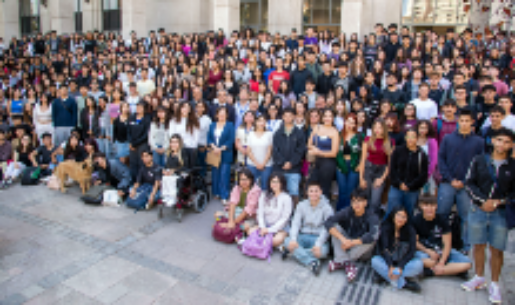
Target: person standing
[457, 151]
[491, 185]
[186, 124]
[137, 135]
[64, 115]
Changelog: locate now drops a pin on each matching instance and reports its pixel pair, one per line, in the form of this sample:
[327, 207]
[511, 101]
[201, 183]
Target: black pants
[135, 160]
[192, 157]
[324, 172]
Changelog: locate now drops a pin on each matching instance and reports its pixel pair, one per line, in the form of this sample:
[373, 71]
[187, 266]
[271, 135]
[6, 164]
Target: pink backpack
[258, 246]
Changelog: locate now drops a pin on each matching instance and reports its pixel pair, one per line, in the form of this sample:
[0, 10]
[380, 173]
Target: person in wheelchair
[175, 171]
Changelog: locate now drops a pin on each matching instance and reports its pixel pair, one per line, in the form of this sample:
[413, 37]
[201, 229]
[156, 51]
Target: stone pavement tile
[32, 291]
[251, 277]
[112, 294]
[186, 293]
[187, 261]
[76, 298]
[135, 298]
[147, 282]
[223, 268]
[101, 276]
[50, 296]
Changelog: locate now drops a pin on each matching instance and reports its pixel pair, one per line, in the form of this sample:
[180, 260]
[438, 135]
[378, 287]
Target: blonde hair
[387, 145]
[179, 151]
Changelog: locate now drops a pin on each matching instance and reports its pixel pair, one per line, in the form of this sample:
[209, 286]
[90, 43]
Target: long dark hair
[270, 193]
[155, 118]
[192, 121]
[388, 225]
[69, 150]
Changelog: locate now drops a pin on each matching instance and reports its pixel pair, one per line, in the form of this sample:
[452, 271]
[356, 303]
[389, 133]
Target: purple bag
[225, 235]
[258, 246]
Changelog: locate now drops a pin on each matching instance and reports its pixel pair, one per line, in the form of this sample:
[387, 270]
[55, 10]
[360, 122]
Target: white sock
[482, 278]
[495, 284]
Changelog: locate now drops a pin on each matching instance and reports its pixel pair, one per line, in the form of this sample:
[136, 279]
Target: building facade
[21, 17]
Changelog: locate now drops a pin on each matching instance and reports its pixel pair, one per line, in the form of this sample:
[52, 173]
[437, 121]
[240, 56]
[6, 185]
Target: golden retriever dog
[77, 171]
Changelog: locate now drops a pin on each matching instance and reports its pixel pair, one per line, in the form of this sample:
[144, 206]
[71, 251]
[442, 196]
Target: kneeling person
[112, 172]
[354, 232]
[308, 236]
[434, 243]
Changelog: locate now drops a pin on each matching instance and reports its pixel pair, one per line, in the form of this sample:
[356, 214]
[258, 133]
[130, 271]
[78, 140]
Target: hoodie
[310, 220]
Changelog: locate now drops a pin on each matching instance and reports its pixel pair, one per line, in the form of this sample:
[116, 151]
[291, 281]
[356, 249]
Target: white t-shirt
[426, 109]
[259, 147]
[205, 122]
[243, 136]
[508, 122]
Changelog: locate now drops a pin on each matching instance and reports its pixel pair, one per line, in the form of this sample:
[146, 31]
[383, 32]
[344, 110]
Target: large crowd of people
[394, 148]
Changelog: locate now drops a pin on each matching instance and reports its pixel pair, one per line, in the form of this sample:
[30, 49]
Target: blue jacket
[64, 113]
[456, 154]
[227, 140]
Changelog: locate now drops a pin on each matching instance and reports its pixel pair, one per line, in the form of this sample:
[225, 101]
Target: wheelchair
[191, 194]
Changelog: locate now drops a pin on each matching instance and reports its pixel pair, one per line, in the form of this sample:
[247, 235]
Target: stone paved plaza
[56, 250]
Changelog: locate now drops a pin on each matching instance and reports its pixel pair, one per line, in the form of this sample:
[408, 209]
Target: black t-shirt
[44, 155]
[89, 46]
[149, 174]
[430, 232]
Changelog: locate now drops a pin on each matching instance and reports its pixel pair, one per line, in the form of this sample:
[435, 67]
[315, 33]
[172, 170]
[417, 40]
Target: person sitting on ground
[112, 172]
[23, 158]
[308, 236]
[145, 190]
[243, 203]
[434, 243]
[354, 232]
[44, 155]
[274, 210]
[491, 185]
[5, 150]
[397, 245]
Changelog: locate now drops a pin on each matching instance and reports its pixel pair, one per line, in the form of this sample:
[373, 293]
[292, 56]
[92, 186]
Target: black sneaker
[428, 272]
[315, 268]
[284, 252]
[464, 275]
[378, 279]
[412, 286]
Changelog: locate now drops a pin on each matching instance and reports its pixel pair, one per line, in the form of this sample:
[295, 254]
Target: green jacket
[355, 156]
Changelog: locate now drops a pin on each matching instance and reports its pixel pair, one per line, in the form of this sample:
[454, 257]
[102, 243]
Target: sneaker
[284, 252]
[333, 266]
[378, 279]
[412, 286]
[315, 268]
[464, 275]
[495, 294]
[428, 272]
[351, 270]
[475, 283]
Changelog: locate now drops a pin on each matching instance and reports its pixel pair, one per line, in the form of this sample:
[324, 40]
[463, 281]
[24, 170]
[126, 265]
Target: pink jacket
[433, 155]
[252, 199]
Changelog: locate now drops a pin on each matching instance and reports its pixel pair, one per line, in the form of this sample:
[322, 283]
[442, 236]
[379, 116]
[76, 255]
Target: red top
[254, 86]
[214, 78]
[377, 156]
[277, 77]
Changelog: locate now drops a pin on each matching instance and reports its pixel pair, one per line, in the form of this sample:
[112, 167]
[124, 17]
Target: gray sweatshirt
[310, 220]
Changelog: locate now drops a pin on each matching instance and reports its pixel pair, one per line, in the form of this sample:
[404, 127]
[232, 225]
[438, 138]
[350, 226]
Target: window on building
[322, 15]
[435, 14]
[112, 15]
[78, 16]
[29, 17]
[254, 14]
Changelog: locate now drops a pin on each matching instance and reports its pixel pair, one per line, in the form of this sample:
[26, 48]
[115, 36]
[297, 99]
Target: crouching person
[113, 173]
[308, 237]
[354, 231]
[145, 191]
[434, 243]
[274, 210]
[396, 262]
[243, 203]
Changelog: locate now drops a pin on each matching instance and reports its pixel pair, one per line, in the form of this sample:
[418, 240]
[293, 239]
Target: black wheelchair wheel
[200, 201]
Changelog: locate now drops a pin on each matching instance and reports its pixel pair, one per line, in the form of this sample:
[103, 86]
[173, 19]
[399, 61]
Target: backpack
[258, 246]
[31, 176]
[225, 235]
[95, 194]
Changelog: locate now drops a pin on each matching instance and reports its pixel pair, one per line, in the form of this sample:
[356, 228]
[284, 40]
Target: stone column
[9, 20]
[62, 16]
[45, 17]
[352, 17]
[227, 15]
[284, 15]
[134, 17]
[91, 15]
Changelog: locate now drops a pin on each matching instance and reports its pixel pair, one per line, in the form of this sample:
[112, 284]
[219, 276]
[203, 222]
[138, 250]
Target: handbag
[95, 194]
[225, 235]
[111, 198]
[53, 183]
[310, 157]
[213, 158]
[258, 246]
[31, 176]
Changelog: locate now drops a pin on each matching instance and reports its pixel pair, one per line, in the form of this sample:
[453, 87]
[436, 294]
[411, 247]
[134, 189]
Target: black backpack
[95, 194]
[30, 176]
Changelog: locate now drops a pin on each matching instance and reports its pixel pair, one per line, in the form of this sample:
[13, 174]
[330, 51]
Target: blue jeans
[104, 145]
[454, 257]
[262, 175]
[292, 184]
[220, 180]
[159, 159]
[346, 184]
[413, 268]
[488, 227]
[142, 194]
[447, 194]
[303, 252]
[201, 162]
[397, 197]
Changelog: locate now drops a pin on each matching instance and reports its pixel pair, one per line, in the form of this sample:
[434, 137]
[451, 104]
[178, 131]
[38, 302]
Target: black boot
[412, 286]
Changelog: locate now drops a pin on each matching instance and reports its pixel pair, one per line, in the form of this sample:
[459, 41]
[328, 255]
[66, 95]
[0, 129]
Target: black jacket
[84, 121]
[365, 227]
[479, 182]
[409, 168]
[231, 115]
[172, 162]
[137, 132]
[116, 173]
[391, 51]
[288, 149]
[298, 80]
[387, 245]
[325, 83]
